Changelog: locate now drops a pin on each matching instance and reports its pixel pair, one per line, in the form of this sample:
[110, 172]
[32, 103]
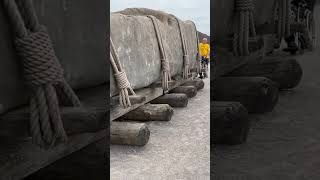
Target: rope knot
[122, 80]
[38, 58]
[244, 5]
[186, 60]
[165, 65]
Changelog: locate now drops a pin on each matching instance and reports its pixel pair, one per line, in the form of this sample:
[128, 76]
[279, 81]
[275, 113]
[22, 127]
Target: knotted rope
[243, 27]
[186, 69]
[42, 73]
[198, 49]
[166, 76]
[120, 77]
[283, 29]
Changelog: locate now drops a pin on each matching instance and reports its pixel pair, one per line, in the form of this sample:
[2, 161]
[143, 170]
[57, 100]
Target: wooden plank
[20, 159]
[151, 93]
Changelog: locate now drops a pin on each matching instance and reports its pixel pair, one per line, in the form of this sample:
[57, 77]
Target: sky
[197, 11]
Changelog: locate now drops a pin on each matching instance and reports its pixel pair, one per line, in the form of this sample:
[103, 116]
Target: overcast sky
[196, 10]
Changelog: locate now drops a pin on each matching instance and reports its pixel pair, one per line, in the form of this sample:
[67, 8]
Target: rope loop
[122, 80]
[38, 58]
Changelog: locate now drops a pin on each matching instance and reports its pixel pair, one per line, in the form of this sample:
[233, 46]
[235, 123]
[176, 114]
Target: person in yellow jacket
[204, 49]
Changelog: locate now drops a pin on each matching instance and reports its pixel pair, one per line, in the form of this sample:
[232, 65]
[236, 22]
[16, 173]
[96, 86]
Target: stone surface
[137, 46]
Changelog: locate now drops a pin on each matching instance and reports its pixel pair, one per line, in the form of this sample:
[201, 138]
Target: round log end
[143, 136]
[231, 123]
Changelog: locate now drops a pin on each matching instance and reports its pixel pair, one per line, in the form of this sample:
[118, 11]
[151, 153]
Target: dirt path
[178, 149]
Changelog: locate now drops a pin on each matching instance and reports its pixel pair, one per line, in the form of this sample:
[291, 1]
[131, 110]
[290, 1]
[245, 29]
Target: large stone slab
[136, 44]
[77, 29]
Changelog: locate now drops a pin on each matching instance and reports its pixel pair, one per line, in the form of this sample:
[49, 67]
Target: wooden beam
[149, 93]
[173, 99]
[190, 91]
[75, 120]
[150, 112]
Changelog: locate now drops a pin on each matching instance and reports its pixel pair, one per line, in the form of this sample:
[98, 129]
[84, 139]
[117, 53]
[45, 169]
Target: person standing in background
[204, 49]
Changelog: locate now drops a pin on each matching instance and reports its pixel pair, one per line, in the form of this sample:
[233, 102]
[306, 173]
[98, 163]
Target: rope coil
[186, 69]
[165, 67]
[243, 27]
[42, 72]
[121, 78]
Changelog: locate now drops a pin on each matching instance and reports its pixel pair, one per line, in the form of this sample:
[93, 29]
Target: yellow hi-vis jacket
[204, 50]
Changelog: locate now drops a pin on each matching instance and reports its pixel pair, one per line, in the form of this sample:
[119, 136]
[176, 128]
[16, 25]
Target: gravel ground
[179, 149]
[283, 144]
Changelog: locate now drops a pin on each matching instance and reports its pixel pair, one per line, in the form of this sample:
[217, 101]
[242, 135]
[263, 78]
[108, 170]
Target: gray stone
[136, 44]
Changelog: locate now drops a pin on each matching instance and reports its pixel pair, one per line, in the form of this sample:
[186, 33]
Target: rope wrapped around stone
[198, 49]
[120, 77]
[42, 73]
[283, 29]
[243, 27]
[186, 69]
[165, 67]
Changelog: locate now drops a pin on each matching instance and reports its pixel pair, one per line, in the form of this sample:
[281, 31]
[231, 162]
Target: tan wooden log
[173, 99]
[190, 91]
[151, 112]
[198, 83]
[129, 133]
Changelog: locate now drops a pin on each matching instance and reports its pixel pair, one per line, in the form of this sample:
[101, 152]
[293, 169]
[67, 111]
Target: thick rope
[198, 50]
[283, 18]
[42, 72]
[243, 27]
[166, 76]
[120, 77]
[186, 62]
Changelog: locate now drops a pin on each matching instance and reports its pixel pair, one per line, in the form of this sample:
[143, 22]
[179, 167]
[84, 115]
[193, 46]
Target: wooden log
[173, 99]
[129, 133]
[286, 72]
[198, 83]
[150, 112]
[75, 120]
[256, 94]
[230, 122]
[190, 91]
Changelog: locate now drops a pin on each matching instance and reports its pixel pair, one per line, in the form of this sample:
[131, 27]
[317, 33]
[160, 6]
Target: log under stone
[256, 94]
[230, 123]
[198, 83]
[150, 112]
[286, 72]
[173, 99]
[129, 133]
[190, 91]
